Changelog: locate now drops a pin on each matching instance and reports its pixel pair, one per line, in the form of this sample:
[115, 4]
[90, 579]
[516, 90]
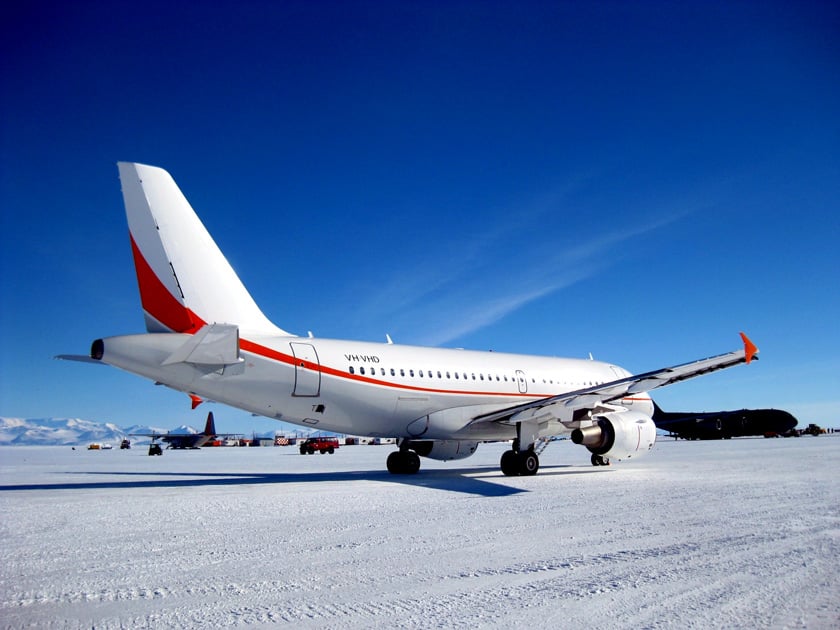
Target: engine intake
[97, 349]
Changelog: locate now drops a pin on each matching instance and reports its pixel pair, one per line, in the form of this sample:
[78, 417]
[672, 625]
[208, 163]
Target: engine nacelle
[443, 450]
[618, 434]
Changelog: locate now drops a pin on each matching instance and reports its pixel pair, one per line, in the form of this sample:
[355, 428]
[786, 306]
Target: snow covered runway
[739, 533]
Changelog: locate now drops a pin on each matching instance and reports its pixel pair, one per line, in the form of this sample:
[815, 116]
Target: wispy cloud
[475, 280]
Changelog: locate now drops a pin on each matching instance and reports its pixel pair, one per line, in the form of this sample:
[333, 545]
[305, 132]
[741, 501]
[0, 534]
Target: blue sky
[636, 180]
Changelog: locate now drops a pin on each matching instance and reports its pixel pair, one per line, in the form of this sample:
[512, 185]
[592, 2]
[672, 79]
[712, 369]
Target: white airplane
[207, 337]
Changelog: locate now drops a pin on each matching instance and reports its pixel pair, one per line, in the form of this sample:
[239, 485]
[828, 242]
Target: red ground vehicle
[322, 444]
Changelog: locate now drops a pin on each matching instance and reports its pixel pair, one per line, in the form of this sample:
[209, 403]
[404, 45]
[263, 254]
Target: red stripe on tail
[158, 301]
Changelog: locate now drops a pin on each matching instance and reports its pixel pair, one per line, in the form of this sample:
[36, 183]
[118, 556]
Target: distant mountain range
[71, 432]
[76, 432]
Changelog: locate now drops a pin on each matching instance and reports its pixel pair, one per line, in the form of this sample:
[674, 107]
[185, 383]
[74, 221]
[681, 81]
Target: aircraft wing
[154, 436]
[167, 436]
[81, 358]
[591, 397]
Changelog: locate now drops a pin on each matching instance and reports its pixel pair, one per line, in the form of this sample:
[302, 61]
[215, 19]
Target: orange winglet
[749, 348]
[197, 400]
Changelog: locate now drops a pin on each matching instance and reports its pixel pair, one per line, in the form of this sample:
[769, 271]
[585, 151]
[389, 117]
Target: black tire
[529, 463]
[403, 463]
[509, 464]
[412, 463]
[331, 450]
[394, 463]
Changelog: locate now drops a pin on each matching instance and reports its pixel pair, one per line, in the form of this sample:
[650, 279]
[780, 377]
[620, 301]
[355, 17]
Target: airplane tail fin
[658, 413]
[210, 426]
[185, 281]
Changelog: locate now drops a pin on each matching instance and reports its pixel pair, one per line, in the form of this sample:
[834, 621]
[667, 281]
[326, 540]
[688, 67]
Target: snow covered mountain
[72, 432]
[57, 431]
[75, 432]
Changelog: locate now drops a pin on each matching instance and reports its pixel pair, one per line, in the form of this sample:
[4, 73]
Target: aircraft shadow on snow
[450, 480]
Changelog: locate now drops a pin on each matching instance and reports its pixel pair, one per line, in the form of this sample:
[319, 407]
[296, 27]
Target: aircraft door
[521, 382]
[307, 370]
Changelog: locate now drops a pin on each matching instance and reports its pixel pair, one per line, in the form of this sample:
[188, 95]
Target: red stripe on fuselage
[158, 302]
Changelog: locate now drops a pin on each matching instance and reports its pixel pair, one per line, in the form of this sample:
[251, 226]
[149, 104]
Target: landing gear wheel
[509, 464]
[599, 460]
[403, 463]
[412, 463]
[529, 463]
[524, 463]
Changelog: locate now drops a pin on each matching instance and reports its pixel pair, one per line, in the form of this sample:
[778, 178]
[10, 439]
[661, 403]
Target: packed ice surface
[724, 534]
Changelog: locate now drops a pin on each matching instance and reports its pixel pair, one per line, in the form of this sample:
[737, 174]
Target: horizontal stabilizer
[214, 344]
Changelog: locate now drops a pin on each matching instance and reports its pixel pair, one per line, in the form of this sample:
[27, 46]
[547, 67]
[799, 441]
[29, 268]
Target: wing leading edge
[591, 397]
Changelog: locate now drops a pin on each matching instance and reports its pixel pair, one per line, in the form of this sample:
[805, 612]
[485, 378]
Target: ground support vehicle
[321, 444]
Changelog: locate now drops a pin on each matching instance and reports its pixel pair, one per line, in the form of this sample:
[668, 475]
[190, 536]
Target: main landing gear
[403, 462]
[599, 460]
[522, 461]
[516, 462]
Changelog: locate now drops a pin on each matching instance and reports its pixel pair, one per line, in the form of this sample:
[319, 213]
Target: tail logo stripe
[158, 302]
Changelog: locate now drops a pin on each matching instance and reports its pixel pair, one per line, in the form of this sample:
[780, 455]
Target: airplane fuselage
[377, 390]
[719, 425]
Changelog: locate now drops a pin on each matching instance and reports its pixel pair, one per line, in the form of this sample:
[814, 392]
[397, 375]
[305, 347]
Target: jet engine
[618, 434]
[443, 450]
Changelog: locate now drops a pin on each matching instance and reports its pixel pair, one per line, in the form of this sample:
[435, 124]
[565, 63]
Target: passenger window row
[449, 374]
[453, 375]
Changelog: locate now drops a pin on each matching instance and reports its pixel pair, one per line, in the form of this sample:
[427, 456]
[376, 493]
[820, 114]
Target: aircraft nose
[789, 420]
